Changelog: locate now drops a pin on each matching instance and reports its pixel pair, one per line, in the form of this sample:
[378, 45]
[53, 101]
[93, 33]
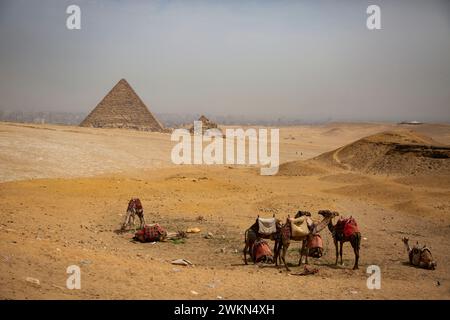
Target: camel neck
[330, 225]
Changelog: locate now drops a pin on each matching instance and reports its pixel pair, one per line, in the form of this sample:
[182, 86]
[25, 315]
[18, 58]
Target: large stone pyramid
[122, 108]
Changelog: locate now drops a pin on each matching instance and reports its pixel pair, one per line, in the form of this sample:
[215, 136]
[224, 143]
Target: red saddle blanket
[346, 226]
[261, 251]
[315, 242]
[150, 233]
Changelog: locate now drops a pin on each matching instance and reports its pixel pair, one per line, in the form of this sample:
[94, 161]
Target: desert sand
[64, 192]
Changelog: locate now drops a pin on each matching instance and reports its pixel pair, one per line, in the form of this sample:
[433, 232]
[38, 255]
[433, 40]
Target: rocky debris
[182, 262]
[33, 281]
[209, 235]
[85, 262]
[193, 230]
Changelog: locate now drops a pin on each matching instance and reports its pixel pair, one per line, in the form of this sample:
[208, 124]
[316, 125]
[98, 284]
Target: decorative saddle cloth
[315, 246]
[346, 227]
[315, 242]
[300, 226]
[150, 233]
[261, 251]
[267, 226]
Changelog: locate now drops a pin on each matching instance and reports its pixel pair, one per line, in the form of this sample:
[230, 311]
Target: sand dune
[395, 153]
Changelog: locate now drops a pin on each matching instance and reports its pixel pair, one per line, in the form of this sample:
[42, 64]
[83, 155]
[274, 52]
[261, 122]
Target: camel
[285, 237]
[134, 209]
[339, 236]
[420, 257]
[253, 234]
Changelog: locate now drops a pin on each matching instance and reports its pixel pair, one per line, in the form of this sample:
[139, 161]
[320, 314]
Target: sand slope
[399, 153]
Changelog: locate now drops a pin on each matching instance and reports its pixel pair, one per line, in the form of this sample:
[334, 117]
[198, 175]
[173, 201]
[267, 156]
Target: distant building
[411, 122]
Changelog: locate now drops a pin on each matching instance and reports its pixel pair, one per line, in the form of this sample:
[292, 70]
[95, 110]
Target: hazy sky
[304, 59]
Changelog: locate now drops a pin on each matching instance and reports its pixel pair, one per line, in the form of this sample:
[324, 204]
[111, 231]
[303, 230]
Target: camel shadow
[251, 264]
[119, 231]
[333, 266]
[124, 231]
[407, 264]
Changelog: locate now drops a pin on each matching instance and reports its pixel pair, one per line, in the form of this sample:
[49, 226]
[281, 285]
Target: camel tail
[245, 236]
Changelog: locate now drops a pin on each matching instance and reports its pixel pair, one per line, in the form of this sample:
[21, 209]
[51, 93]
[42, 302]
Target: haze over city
[310, 60]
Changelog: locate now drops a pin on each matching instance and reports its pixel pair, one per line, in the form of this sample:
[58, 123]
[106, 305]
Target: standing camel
[345, 230]
[134, 209]
[285, 237]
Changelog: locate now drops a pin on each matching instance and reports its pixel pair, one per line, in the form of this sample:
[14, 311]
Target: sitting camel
[261, 229]
[420, 257]
[286, 235]
[134, 209]
[344, 230]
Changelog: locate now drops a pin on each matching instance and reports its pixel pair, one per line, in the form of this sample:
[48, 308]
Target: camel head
[328, 214]
[406, 242]
[301, 213]
[326, 221]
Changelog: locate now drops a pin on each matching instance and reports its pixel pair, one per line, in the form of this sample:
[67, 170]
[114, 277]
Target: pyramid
[206, 124]
[122, 108]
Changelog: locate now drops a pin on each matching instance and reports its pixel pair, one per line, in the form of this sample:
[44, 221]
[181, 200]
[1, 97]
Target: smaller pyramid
[206, 124]
[122, 108]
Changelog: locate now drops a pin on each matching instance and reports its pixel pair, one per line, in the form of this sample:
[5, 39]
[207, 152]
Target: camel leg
[341, 244]
[142, 220]
[247, 245]
[337, 252]
[127, 221]
[245, 253]
[355, 267]
[307, 254]
[283, 256]
[276, 252]
[301, 253]
[279, 252]
[356, 245]
[133, 216]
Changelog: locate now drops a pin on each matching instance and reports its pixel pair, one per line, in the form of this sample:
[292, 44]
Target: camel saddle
[300, 226]
[267, 226]
[345, 227]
